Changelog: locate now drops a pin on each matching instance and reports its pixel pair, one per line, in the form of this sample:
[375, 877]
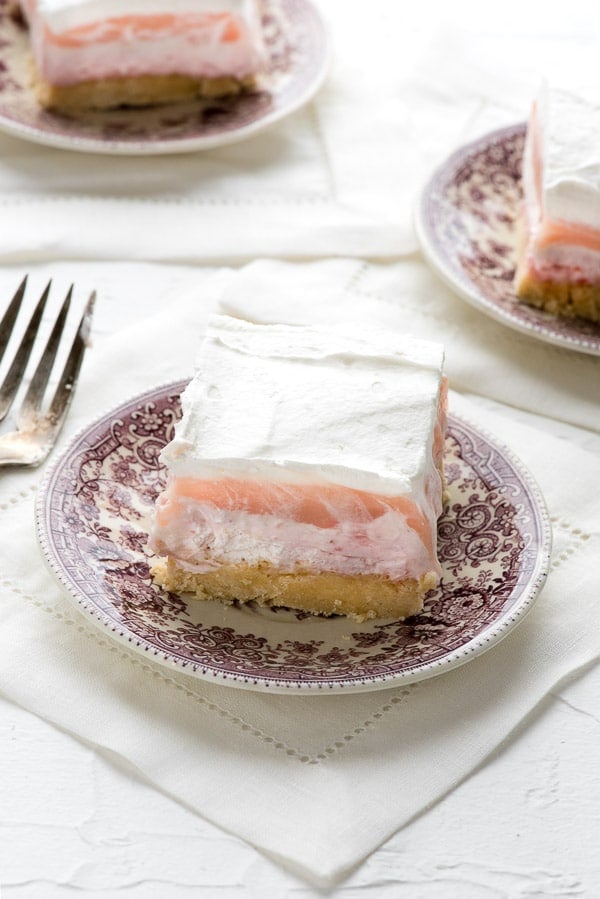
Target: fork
[37, 432]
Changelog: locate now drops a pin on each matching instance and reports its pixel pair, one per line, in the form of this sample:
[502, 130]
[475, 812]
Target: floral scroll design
[477, 206]
[99, 505]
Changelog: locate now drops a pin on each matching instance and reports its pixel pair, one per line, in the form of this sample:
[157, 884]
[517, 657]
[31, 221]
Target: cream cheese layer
[201, 537]
[74, 41]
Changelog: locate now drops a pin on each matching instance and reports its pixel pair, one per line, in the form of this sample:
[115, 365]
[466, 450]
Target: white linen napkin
[340, 177]
[315, 782]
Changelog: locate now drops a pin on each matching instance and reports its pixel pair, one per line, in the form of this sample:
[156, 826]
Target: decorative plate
[466, 222]
[93, 513]
[298, 59]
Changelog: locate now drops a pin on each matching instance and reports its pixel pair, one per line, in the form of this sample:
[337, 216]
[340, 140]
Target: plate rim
[468, 292]
[171, 147]
[490, 636]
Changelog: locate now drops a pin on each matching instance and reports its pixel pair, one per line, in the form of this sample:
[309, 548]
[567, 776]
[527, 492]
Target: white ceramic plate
[93, 514]
[298, 60]
[466, 222]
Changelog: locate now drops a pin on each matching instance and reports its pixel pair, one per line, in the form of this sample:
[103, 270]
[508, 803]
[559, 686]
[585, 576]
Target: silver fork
[37, 432]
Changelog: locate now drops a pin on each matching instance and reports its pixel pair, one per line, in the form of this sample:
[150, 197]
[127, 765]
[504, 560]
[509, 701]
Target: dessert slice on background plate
[100, 54]
[306, 471]
[559, 252]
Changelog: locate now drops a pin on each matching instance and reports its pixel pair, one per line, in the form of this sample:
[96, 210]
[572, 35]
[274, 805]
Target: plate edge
[445, 272]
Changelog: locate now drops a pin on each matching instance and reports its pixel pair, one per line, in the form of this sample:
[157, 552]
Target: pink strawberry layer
[200, 45]
[315, 527]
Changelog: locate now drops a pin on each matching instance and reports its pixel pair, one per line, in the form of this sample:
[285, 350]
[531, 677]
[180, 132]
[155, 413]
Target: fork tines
[29, 416]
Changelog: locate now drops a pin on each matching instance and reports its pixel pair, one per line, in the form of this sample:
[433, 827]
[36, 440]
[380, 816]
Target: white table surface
[73, 821]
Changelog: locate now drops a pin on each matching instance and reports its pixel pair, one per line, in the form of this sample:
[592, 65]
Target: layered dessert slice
[98, 54]
[559, 253]
[306, 471]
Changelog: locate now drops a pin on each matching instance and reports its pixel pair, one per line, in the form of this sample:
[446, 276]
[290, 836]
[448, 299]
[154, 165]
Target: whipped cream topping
[569, 144]
[62, 15]
[349, 405]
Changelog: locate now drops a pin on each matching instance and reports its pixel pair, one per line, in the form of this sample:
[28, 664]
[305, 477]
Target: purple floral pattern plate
[93, 514]
[298, 58]
[466, 222]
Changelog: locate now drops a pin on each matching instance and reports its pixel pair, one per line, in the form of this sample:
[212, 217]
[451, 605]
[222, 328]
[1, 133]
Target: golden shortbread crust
[560, 298]
[143, 90]
[324, 593]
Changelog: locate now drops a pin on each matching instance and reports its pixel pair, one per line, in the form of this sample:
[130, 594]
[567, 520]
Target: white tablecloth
[132, 802]
[338, 178]
[310, 781]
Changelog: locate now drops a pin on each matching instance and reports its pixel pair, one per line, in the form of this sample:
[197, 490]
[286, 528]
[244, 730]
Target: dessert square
[559, 252]
[100, 54]
[306, 471]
